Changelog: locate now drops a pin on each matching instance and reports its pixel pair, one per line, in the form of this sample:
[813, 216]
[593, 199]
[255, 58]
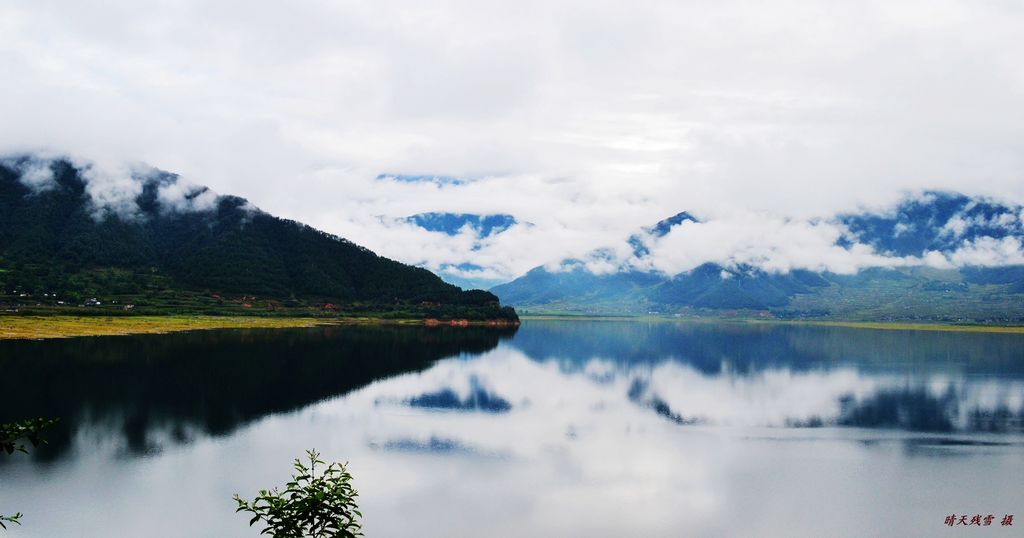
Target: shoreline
[36, 327]
[33, 327]
[869, 325]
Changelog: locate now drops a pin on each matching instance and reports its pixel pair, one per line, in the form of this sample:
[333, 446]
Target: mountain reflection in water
[798, 376]
[170, 388]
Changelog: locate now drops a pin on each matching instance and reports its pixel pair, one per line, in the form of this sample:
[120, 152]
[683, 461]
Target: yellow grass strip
[36, 327]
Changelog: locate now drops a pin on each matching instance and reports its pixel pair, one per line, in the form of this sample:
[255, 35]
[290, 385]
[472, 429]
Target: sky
[582, 120]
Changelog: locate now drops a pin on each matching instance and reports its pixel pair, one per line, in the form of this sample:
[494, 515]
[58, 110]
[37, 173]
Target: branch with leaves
[12, 435]
[314, 505]
[9, 519]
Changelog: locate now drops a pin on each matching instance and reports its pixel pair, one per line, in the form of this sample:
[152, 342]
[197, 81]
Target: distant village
[15, 300]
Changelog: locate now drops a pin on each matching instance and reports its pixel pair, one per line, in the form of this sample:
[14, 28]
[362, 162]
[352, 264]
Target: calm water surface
[557, 429]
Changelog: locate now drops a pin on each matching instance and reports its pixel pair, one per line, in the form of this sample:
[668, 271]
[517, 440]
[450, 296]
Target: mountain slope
[951, 232]
[67, 230]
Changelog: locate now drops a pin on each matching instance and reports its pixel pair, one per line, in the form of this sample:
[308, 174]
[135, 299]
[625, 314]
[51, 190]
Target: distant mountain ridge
[67, 230]
[934, 224]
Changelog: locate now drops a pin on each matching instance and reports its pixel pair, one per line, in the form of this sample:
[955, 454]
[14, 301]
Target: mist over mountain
[73, 229]
[79, 229]
[934, 256]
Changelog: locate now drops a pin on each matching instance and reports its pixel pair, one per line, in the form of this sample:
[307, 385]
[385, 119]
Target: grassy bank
[60, 326]
[34, 327]
[874, 325]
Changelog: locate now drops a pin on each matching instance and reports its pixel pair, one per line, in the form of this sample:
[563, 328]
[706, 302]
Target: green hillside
[60, 249]
[907, 294]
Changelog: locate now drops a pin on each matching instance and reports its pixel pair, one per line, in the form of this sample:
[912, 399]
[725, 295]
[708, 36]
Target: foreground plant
[11, 436]
[315, 505]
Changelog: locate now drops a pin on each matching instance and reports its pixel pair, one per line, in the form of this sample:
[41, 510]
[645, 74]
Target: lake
[559, 428]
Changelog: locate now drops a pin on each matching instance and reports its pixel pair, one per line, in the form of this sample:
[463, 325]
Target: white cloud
[760, 240]
[955, 226]
[989, 252]
[184, 196]
[588, 120]
[780, 244]
[111, 189]
[36, 174]
[33, 170]
[1004, 220]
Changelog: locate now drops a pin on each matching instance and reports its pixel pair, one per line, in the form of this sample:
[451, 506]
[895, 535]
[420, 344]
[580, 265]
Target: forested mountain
[962, 232]
[70, 232]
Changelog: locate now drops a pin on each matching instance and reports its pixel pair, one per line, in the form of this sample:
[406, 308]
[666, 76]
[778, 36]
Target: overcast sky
[586, 119]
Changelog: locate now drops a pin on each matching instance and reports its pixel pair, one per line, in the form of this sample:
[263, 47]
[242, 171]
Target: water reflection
[155, 390]
[478, 399]
[798, 376]
[559, 429]
[158, 389]
[713, 348]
